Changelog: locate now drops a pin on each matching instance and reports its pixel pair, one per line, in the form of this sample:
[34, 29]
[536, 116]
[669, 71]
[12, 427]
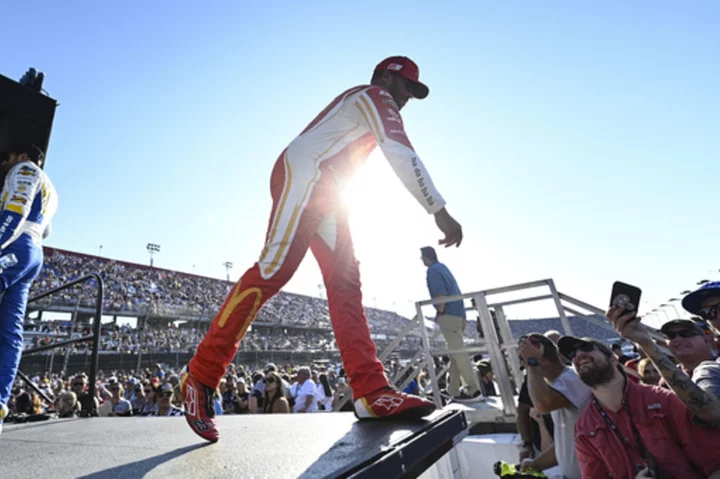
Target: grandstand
[163, 299]
[138, 290]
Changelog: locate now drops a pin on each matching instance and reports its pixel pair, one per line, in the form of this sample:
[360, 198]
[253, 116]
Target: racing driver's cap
[407, 68]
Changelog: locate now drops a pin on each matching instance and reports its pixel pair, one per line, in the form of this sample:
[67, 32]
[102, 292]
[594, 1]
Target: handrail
[96, 328]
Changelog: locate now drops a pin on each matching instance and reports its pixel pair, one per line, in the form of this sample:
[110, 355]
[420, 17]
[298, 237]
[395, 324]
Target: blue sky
[572, 141]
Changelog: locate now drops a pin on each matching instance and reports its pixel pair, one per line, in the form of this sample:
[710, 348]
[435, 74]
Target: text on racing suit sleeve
[382, 117]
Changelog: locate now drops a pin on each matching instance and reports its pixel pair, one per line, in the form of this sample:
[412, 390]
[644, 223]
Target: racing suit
[27, 205]
[308, 212]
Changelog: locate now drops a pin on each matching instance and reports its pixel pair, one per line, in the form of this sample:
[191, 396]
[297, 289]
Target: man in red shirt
[628, 427]
[308, 213]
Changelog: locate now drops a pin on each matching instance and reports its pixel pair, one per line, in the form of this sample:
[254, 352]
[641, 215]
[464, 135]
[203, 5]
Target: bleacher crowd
[586, 404]
[133, 289]
[322, 387]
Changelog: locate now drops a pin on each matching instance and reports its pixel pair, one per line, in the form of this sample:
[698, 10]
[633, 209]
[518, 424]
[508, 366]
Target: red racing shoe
[199, 403]
[388, 403]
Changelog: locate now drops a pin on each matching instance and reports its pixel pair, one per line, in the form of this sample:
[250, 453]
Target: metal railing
[95, 337]
[498, 341]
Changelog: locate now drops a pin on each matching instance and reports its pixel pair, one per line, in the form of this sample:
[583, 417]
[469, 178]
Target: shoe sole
[412, 414]
[216, 439]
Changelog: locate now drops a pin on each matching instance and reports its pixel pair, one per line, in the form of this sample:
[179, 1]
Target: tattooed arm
[702, 402]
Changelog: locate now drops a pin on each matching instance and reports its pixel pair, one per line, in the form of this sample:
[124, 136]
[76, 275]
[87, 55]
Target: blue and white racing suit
[27, 205]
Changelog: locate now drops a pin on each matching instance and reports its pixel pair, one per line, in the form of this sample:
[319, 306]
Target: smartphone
[625, 296]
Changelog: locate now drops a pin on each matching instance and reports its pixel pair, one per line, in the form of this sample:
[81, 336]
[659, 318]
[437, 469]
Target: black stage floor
[314, 445]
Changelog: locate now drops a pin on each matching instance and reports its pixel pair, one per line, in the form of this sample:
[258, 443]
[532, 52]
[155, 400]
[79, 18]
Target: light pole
[152, 249]
[228, 266]
[100, 251]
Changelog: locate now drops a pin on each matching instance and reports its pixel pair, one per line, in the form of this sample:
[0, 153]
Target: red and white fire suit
[308, 212]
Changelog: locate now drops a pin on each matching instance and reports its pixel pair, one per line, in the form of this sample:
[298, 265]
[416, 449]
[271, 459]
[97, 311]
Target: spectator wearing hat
[451, 320]
[632, 430]
[705, 302]
[697, 381]
[556, 389]
[66, 405]
[164, 402]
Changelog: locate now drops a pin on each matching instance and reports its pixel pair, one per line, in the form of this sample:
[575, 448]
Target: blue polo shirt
[441, 281]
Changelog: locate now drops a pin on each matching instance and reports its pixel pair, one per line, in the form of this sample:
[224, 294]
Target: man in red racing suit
[307, 213]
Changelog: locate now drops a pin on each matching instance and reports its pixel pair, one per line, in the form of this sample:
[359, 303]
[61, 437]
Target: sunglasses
[585, 348]
[683, 333]
[77, 385]
[166, 394]
[709, 312]
[147, 391]
[269, 380]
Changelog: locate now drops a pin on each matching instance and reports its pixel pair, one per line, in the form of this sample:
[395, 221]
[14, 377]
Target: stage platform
[486, 412]
[314, 445]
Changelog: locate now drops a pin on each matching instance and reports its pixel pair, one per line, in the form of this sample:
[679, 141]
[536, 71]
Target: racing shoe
[388, 403]
[199, 403]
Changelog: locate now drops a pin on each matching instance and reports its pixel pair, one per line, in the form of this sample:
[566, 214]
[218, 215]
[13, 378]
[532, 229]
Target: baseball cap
[166, 387]
[685, 323]
[568, 344]
[692, 301]
[270, 367]
[407, 68]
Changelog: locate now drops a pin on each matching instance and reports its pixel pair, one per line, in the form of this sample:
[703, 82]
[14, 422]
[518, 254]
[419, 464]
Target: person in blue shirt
[27, 204]
[451, 320]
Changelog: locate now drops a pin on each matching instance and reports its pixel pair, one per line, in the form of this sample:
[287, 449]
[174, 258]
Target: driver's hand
[450, 227]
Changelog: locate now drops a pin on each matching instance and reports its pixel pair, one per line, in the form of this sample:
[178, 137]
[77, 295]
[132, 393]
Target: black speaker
[26, 116]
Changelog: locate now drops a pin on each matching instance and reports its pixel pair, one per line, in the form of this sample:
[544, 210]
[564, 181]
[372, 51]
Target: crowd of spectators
[596, 411]
[170, 339]
[590, 409]
[243, 390]
[137, 289]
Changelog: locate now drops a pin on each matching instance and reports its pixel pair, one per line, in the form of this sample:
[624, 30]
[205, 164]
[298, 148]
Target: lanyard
[648, 458]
